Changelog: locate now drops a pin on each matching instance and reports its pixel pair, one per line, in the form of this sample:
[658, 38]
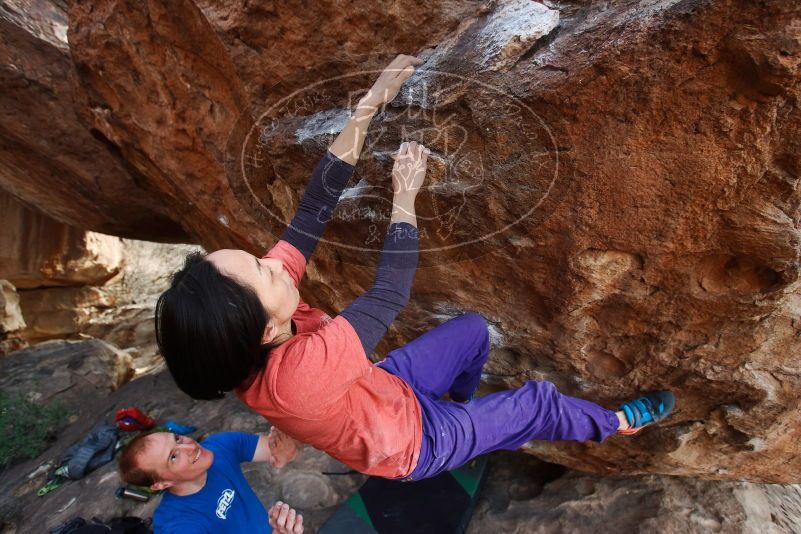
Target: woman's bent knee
[478, 326]
[476, 321]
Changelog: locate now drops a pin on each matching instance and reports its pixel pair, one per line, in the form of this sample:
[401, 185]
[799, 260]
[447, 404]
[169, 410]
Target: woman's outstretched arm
[335, 169]
[373, 312]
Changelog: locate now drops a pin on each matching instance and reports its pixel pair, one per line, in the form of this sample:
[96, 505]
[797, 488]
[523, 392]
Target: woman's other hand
[389, 82]
[409, 171]
[408, 175]
[283, 449]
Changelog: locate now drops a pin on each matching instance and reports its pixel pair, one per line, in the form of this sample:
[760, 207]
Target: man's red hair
[130, 471]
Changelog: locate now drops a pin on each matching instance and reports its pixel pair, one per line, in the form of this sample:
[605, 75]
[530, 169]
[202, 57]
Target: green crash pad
[443, 504]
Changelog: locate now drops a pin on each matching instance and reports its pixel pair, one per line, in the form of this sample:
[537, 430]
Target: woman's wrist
[364, 111]
[403, 209]
[366, 106]
[348, 144]
[404, 198]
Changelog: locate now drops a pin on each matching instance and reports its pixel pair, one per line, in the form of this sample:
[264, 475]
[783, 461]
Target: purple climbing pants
[449, 359]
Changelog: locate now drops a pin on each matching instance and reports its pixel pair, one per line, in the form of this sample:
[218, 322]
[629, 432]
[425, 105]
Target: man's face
[267, 277]
[174, 459]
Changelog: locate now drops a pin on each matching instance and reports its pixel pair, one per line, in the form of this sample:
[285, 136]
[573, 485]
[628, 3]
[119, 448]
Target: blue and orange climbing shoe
[647, 410]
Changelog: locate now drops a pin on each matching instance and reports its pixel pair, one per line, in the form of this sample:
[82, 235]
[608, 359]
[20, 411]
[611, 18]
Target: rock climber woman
[231, 321]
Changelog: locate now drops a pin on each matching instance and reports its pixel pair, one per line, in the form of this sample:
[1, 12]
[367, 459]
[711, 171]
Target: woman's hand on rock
[389, 82]
[409, 171]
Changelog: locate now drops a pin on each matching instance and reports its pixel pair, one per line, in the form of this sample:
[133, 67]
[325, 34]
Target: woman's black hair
[209, 330]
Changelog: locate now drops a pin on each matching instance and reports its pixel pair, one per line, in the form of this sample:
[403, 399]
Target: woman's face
[267, 277]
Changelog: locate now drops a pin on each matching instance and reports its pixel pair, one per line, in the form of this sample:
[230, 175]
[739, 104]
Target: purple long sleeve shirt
[373, 311]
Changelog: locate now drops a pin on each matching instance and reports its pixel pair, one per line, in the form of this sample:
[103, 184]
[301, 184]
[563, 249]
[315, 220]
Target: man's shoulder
[235, 447]
[221, 437]
[227, 439]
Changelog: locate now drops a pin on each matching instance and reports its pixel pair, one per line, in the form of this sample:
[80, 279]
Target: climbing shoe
[647, 410]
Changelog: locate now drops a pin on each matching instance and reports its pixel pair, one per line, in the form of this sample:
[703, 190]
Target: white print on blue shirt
[224, 502]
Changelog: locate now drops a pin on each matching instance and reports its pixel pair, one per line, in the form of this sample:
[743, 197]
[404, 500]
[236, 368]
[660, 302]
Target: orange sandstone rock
[618, 192]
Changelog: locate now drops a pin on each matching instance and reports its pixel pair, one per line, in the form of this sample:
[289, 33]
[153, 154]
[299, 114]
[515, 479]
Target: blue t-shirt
[226, 503]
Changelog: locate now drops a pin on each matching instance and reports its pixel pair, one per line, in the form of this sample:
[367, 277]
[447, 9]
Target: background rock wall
[532, 497]
[613, 185]
[48, 156]
[11, 321]
[63, 282]
[38, 251]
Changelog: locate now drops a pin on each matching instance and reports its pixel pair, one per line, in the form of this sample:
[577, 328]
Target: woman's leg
[447, 358]
[506, 420]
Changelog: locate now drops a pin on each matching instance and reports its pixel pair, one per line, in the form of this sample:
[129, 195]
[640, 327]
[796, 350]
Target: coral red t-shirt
[320, 388]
